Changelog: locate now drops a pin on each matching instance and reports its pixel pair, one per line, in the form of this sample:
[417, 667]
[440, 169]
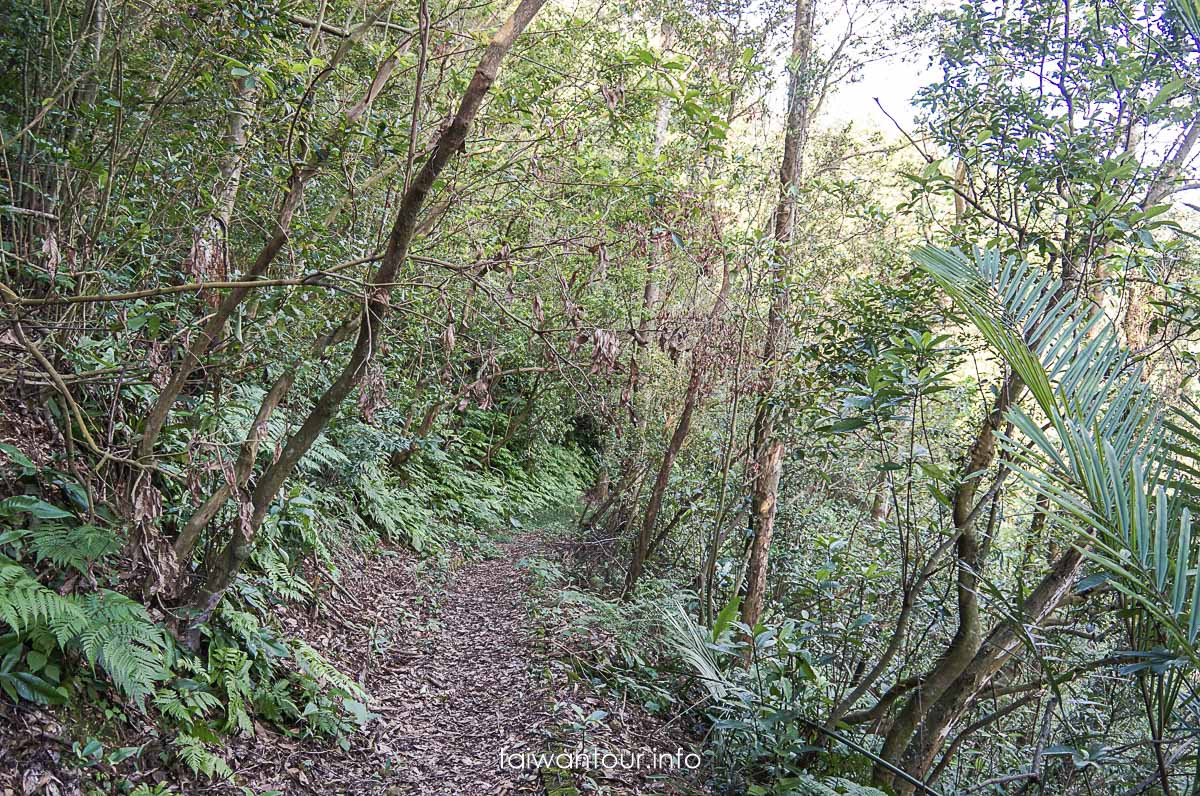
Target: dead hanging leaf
[480, 391]
[573, 313]
[575, 342]
[53, 255]
[601, 252]
[147, 502]
[448, 338]
[613, 96]
[671, 342]
[539, 311]
[627, 402]
[605, 349]
[147, 544]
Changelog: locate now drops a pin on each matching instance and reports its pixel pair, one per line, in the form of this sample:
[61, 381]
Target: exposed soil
[459, 688]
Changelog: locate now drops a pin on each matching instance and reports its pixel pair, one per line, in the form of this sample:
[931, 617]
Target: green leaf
[726, 616]
[358, 711]
[1167, 93]
[28, 504]
[19, 459]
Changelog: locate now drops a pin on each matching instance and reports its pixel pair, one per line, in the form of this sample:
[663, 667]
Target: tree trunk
[248, 451]
[991, 656]
[768, 451]
[766, 492]
[968, 546]
[641, 545]
[209, 257]
[204, 339]
[371, 319]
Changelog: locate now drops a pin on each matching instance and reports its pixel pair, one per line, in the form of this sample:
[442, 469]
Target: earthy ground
[460, 688]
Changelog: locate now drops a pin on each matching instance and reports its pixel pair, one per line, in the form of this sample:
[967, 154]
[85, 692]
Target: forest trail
[455, 678]
[451, 684]
[454, 682]
[477, 693]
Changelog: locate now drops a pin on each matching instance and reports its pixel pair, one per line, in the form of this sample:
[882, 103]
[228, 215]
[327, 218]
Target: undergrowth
[748, 692]
[75, 637]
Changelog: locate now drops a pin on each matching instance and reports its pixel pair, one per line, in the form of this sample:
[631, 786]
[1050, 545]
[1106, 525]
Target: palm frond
[1097, 451]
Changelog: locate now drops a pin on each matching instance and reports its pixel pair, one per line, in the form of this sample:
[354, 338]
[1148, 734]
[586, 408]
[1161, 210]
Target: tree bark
[968, 547]
[766, 493]
[248, 451]
[992, 655]
[209, 257]
[641, 545]
[768, 451]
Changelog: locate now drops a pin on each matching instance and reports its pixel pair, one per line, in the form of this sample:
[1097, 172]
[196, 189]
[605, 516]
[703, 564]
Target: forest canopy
[389, 386]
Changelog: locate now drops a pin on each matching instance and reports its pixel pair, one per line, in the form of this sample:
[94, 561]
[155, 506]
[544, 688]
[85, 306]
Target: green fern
[194, 754]
[187, 702]
[26, 604]
[316, 666]
[229, 670]
[834, 786]
[121, 637]
[108, 629]
[77, 547]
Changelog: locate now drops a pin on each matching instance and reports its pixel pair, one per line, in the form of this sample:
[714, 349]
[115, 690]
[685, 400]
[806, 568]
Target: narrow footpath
[462, 699]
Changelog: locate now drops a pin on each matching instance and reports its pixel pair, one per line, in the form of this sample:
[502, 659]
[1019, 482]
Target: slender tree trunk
[968, 546]
[371, 320]
[768, 451]
[209, 257]
[248, 451]
[990, 657]
[641, 545]
[213, 327]
[766, 493]
[204, 339]
[401, 457]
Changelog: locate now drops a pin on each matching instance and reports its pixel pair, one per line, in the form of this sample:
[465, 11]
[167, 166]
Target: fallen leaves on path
[458, 689]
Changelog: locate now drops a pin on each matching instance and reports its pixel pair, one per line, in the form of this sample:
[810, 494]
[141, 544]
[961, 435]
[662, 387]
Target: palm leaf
[1099, 456]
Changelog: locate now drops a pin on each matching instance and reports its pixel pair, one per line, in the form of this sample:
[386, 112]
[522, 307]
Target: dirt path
[449, 669]
[475, 692]
[455, 681]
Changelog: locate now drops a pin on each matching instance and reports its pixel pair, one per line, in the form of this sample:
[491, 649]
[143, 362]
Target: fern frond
[194, 754]
[122, 638]
[25, 603]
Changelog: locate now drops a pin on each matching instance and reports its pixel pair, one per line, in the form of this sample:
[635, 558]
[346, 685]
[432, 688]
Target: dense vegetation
[865, 458]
